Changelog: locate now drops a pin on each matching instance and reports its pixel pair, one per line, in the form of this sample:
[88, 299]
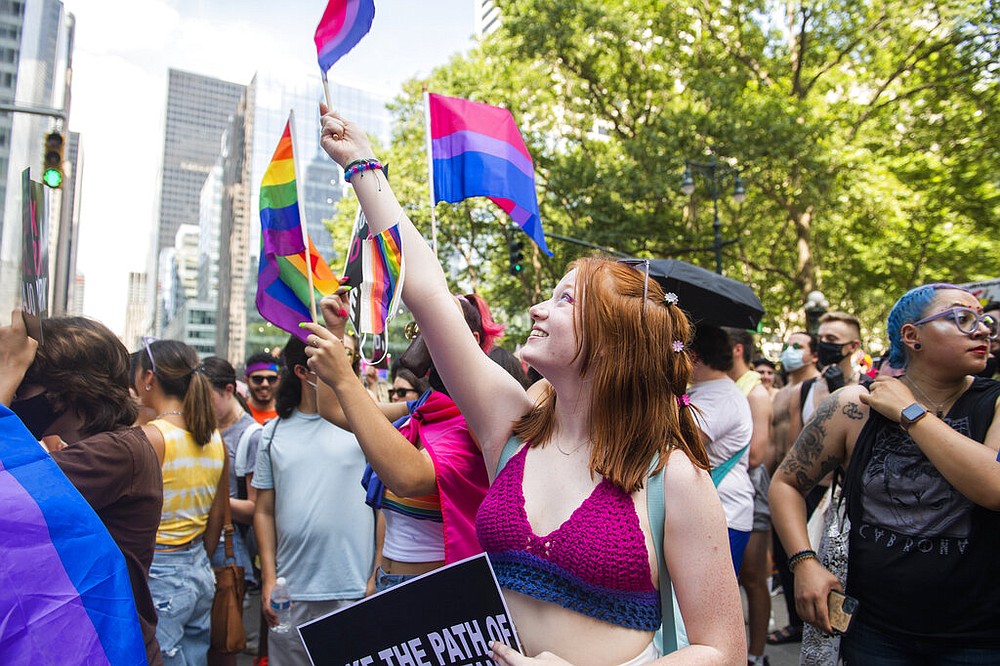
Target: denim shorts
[182, 584]
[384, 581]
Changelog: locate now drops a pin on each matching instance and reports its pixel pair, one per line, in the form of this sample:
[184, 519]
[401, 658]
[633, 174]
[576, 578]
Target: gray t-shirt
[325, 531]
[231, 436]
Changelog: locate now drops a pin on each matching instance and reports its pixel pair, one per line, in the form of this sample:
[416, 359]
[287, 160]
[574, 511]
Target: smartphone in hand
[842, 608]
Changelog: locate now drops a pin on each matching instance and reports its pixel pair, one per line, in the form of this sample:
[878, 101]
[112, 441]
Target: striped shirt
[191, 476]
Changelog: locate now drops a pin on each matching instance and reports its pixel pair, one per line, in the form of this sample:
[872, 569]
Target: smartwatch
[911, 415]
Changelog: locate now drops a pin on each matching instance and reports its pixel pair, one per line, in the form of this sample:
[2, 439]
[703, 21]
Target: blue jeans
[240, 553]
[864, 646]
[183, 586]
[384, 581]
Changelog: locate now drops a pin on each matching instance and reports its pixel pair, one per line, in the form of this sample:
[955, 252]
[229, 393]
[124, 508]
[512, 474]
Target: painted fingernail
[302, 324]
[342, 313]
[347, 288]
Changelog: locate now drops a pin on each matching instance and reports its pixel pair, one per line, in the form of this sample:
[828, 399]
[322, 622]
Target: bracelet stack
[360, 166]
[806, 554]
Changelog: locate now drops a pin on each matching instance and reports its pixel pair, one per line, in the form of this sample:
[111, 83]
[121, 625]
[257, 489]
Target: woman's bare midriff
[580, 640]
[391, 566]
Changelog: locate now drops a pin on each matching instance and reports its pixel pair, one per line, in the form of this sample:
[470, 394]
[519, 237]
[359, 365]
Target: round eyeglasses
[966, 320]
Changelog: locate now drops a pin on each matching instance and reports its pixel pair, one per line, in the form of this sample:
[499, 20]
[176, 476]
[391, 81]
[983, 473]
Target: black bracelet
[801, 555]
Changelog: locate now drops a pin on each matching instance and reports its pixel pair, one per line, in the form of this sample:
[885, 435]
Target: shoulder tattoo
[805, 462]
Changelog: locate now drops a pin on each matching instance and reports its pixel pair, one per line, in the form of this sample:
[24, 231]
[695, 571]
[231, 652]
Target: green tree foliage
[866, 132]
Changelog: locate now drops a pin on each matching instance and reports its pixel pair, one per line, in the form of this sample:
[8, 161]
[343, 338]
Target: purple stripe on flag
[462, 141]
[277, 303]
[359, 16]
[30, 553]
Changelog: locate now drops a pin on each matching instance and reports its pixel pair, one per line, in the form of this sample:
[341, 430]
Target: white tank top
[410, 540]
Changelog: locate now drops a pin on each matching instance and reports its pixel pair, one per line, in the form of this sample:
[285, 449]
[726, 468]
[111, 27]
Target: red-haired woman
[565, 521]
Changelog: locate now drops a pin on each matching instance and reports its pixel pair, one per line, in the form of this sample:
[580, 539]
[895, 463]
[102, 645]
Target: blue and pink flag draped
[65, 596]
[343, 25]
[478, 151]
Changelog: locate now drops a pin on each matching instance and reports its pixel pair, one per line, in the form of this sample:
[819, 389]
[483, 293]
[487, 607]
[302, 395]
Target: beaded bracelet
[360, 166]
[800, 556]
[360, 161]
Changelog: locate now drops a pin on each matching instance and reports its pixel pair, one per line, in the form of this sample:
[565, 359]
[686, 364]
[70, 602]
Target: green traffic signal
[52, 177]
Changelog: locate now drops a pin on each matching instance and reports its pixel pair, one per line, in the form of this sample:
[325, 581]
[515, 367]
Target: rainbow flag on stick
[292, 274]
[65, 595]
[343, 25]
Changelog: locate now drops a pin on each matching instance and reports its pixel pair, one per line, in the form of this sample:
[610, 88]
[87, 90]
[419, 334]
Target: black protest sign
[449, 616]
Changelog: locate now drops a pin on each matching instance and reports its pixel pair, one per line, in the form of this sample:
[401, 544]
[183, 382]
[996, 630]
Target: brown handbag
[228, 635]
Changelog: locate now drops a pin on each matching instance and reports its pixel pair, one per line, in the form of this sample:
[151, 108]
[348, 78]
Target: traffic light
[514, 248]
[52, 174]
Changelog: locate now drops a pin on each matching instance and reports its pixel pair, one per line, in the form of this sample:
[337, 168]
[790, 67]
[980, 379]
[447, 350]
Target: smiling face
[942, 344]
[553, 341]
[262, 385]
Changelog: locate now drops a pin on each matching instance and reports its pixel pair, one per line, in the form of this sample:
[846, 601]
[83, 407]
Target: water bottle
[281, 604]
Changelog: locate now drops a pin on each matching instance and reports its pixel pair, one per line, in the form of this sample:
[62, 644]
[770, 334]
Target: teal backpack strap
[509, 448]
[719, 473]
[666, 637]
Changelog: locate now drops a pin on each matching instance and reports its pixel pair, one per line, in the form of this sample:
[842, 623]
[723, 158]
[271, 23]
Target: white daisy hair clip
[670, 298]
[678, 346]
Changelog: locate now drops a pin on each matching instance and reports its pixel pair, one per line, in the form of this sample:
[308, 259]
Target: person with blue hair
[922, 491]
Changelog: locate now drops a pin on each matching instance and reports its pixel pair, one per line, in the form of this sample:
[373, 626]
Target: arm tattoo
[852, 411]
[804, 462]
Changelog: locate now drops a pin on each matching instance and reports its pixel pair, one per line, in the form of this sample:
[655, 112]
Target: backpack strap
[672, 635]
[509, 449]
[719, 473]
[804, 389]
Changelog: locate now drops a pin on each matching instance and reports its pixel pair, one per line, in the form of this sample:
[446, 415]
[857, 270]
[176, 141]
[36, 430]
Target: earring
[149, 387]
[917, 346]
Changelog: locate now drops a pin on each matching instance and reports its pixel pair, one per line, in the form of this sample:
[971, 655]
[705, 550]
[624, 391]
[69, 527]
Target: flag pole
[306, 255]
[326, 91]
[430, 166]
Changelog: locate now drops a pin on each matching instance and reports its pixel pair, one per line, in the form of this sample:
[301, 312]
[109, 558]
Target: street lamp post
[815, 307]
[714, 171]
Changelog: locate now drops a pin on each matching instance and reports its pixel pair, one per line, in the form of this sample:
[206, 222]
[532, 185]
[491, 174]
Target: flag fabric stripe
[476, 175]
[463, 141]
[65, 594]
[477, 150]
[287, 256]
[340, 29]
[452, 114]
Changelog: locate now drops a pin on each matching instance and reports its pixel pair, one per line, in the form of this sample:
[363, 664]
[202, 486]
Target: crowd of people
[344, 484]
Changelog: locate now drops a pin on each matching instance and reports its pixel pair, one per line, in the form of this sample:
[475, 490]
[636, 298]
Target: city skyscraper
[199, 109]
[35, 49]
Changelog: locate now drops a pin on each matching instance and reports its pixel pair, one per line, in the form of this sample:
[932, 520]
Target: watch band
[911, 414]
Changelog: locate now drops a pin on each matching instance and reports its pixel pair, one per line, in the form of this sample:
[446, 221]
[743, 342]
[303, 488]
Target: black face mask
[36, 413]
[829, 353]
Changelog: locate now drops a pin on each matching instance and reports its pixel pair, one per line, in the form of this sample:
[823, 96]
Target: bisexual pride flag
[343, 25]
[288, 258]
[477, 151]
[65, 595]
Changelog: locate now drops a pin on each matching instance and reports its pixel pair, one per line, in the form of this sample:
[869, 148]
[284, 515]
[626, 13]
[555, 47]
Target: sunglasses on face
[966, 320]
[401, 392]
[257, 380]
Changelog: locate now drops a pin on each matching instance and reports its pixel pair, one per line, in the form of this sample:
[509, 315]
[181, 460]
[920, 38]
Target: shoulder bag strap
[666, 638]
[509, 449]
[227, 526]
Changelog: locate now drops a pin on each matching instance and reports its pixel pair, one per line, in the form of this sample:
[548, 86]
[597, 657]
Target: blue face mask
[791, 359]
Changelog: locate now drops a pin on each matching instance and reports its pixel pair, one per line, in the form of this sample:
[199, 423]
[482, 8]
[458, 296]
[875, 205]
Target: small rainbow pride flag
[288, 257]
[65, 595]
[343, 25]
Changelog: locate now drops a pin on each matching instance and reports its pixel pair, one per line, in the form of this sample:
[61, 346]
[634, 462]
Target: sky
[122, 53]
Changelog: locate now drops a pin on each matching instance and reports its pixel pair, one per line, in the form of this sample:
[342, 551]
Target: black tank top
[924, 561]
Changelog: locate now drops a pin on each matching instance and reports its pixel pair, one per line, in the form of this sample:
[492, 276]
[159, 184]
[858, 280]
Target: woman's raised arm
[490, 399]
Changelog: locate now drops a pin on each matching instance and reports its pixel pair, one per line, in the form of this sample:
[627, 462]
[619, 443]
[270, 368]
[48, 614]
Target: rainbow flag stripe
[343, 25]
[65, 595]
[383, 270]
[283, 296]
